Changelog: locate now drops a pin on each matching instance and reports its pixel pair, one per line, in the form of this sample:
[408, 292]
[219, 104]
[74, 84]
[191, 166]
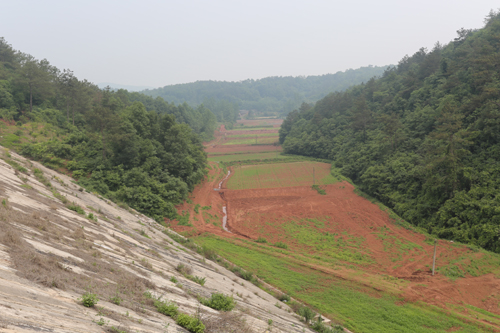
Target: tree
[391, 125]
[36, 76]
[103, 117]
[446, 148]
[361, 117]
[68, 85]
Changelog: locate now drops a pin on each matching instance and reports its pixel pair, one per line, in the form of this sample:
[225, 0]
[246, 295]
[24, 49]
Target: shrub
[261, 240]
[219, 301]
[89, 299]
[210, 254]
[183, 269]
[173, 279]
[307, 313]
[283, 297]
[116, 300]
[319, 189]
[76, 208]
[281, 245]
[197, 279]
[167, 308]
[318, 326]
[192, 324]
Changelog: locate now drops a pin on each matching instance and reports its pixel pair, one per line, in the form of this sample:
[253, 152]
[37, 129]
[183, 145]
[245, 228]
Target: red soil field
[252, 213]
[258, 213]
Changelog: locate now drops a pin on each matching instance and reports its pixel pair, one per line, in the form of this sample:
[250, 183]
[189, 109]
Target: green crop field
[252, 141]
[249, 156]
[250, 135]
[280, 175]
[249, 128]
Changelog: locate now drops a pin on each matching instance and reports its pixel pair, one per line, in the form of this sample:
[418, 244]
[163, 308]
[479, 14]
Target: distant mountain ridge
[269, 95]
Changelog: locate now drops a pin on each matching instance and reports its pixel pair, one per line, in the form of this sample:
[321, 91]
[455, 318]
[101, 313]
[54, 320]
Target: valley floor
[351, 259]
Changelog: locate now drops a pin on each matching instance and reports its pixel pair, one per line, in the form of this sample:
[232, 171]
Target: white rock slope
[50, 255]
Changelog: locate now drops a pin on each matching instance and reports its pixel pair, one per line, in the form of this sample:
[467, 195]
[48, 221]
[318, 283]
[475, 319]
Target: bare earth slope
[49, 256]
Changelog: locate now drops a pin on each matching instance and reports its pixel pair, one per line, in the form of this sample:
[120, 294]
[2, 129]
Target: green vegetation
[261, 240]
[344, 301]
[192, 324]
[319, 189]
[270, 174]
[253, 141]
[219, 301]
[116, 299]
[187, 271]
[307, 313]
[248, 157]
[74, 207]
[167, 308]
[422, 139]
[281, 245]
[89, 299]
[250, 135]
[269, 96]
[125, 146]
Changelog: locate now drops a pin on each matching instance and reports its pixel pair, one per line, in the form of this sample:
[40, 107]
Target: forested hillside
[269, 96]
[424, 139]
[108, 140]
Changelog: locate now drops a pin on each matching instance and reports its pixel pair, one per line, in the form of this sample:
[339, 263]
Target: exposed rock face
[51, 255]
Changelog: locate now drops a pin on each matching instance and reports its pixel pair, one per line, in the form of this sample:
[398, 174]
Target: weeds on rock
[89, 299]
[219, 301]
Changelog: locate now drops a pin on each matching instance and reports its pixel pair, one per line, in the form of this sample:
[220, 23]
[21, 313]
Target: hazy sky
[157, 43]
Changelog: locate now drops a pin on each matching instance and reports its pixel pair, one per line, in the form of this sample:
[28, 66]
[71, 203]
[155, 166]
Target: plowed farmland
[348, 258]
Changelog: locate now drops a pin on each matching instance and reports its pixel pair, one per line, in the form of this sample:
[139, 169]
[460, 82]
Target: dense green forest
[126, 146]
[269, 96]
[423, 139]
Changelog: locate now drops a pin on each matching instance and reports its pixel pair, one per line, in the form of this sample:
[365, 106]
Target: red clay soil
[205, 195]
[257, 212]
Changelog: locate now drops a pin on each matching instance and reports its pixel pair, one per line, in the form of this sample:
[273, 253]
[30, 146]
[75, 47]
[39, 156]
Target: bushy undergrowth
[192, 324]
[319, 189]
[219, 301]
[89, 299]
[167, 308]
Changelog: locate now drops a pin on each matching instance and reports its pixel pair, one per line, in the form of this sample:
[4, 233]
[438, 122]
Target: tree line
[424, 139]
[126, 146]
[269, 96]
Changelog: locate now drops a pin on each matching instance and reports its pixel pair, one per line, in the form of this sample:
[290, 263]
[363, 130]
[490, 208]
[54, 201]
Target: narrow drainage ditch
[224, 209]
